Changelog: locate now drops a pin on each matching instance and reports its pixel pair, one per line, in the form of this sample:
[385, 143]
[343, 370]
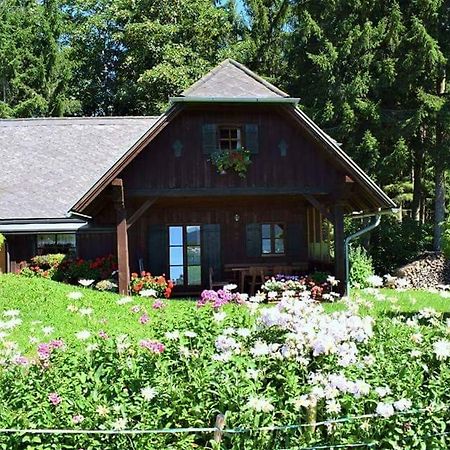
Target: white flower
[332, 280]
[260, 349]
[442, 349]
[230, 287]
[102, 410]
[83, 335]
[252, 374]
[305, 401]
[403, 404]
[48, 330]
[369, 360]
[120, 424]
[417, 338]
[415, 353]
[220, 316]
[148, 293]
[260, 404]
[333, 407]
[190, 334]
[91, 347]
[385, 409]
[148, 393]
[85, 283]
[172, 335]
[11, 313]
[383, 391]
[375, 281]
[85, 311]
[72, 308]
[124, 300]
[243, 332]
[74, 295]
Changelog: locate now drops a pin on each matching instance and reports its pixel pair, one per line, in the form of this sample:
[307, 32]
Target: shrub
[361, 266]
[445, 239]
[394, 243]
[2, 240]
[157, 286]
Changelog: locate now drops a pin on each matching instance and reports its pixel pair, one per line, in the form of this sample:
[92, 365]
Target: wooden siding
[304, 165]
[232, 232]
[91, 245]
[3, 258]
[21, 247]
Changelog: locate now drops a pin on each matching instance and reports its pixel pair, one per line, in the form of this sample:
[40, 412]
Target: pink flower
[152, 346]
[78, 418]
[54, 399]
[21, 361]
[44, 351]
[158, 304]
[102, 334]
[144, 319]
[135, 309]
[56, 343]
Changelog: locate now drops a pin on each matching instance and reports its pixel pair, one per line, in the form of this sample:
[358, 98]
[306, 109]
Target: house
[145, 188]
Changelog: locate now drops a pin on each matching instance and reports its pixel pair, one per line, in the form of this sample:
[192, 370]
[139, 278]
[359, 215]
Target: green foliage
[237, 160]
[361, 266]
[396, 243]
[2, 241]
[446, 239]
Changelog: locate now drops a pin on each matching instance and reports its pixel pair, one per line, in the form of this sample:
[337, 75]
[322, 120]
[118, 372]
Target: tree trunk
[439, 205]
[417, 182]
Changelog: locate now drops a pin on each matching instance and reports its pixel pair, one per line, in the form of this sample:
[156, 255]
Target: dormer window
[230, 138]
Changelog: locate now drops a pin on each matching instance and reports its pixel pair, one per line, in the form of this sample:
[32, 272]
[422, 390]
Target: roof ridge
[239, 66]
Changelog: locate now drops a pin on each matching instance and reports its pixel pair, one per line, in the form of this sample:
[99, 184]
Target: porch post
[122, 236]
[339, 259]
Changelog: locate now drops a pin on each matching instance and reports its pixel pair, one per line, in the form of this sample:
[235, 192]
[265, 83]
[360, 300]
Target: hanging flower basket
[236, 160]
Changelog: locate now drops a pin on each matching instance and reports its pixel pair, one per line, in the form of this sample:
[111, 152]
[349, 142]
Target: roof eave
[278, 100]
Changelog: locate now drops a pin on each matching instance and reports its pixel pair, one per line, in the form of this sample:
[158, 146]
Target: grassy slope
[44, 303]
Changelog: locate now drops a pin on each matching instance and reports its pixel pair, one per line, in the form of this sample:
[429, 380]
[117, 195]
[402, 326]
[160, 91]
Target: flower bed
[148, 285]
[286, 365]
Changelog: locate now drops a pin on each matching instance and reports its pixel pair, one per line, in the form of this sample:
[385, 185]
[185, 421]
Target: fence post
[220, 425]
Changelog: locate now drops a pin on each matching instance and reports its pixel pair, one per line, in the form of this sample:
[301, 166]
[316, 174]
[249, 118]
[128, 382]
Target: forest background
[371, 73]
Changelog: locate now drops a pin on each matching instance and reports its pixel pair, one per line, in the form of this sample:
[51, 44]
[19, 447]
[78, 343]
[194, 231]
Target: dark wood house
[145, 187]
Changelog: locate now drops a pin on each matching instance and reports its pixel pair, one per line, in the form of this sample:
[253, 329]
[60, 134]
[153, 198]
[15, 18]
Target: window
[56, 243]
[185, 254]
[272, 239]
[320, 236]
[230, 138]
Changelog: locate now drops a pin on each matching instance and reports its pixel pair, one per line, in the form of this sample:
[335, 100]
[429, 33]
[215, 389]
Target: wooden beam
[319, 206]
[339, 258]
[140, 211]
[122, 235]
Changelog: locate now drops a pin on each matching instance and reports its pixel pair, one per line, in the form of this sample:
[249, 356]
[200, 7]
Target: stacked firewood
[430, 270]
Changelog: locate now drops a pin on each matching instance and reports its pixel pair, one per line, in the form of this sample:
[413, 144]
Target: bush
[361, 266]
[394, 244]
[60, 267]
[2, 240]
[156, 286]
[445, 239]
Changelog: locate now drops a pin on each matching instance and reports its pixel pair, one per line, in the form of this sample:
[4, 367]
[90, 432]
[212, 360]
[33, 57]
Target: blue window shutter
[211, 254]
[253, 238]
[251, 141]
[158, 250]
[209, 138]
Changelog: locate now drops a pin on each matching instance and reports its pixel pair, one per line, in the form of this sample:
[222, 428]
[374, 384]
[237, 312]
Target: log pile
[428, 271]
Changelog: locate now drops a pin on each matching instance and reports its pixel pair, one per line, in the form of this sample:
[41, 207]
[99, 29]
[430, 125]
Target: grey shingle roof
[231, 79]
[46, 165]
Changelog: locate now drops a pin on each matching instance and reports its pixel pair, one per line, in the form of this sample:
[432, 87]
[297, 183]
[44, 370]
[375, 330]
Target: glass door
[185, 255]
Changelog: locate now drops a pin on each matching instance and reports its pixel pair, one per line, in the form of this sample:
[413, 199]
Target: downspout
[375, 222]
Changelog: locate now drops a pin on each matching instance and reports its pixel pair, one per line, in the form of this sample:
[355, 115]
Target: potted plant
[237, 160]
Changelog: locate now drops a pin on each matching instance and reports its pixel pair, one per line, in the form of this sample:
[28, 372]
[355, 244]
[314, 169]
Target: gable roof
[48, 164]
[231, 80]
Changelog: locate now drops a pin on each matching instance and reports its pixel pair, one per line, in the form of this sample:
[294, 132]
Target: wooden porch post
[339, 262]
[122, 236]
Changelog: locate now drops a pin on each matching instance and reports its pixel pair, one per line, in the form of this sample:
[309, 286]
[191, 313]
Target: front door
[185, 252]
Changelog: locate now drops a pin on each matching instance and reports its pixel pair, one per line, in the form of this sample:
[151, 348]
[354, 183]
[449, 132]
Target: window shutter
[158, 250]
[294, 240]
[251, 137]
[209, 133]
[211, 255]
[253, 234]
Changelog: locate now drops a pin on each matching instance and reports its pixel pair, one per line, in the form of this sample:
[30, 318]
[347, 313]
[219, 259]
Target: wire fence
[219, 430]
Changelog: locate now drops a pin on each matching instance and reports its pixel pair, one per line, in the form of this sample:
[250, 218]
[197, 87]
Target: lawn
[48, 312]
[66, 364]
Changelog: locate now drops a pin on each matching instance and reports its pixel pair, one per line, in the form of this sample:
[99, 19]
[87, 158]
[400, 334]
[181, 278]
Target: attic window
[230, 138]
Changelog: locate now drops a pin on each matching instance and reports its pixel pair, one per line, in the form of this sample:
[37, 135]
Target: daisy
[74, 295]
[148, 393]
[83, 335]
